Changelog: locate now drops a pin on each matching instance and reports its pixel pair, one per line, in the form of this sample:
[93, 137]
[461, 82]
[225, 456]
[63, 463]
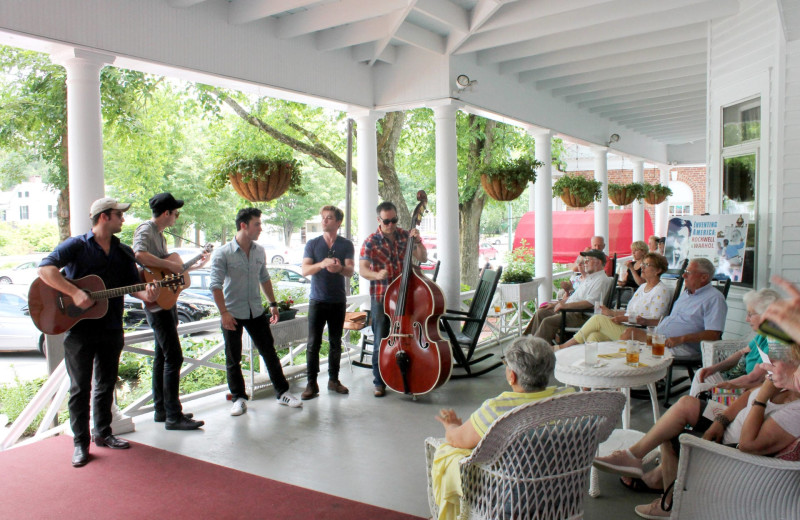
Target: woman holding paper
[648, 305]
[742, 366]
[763, 421]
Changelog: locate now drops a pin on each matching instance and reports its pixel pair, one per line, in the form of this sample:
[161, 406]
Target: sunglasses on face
[388, 221]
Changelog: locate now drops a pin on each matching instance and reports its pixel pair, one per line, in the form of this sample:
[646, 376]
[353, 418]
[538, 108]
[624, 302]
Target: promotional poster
[720, 238]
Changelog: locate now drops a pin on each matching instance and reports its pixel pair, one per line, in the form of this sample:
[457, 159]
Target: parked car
[190, 308]
[487, 251]
[23, 274]
[280, 254]
[288, 277]
[17, 331]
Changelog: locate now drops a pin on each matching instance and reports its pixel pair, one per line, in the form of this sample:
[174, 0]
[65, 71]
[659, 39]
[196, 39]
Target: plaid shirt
[384, 254]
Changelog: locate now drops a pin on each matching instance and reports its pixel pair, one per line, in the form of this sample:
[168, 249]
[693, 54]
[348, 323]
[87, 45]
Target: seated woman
[763, 421]
[649, 304]
[569, 286]
[529, 365]
[740, 368]
[632, 276]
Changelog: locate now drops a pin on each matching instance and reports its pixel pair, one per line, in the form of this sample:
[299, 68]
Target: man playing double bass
[150, 247]
[380, 262]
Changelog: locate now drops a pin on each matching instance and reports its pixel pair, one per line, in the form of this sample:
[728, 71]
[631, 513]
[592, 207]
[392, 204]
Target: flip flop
[639, 486]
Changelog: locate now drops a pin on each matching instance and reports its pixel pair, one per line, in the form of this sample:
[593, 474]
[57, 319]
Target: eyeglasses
[645, 264]
[388, 221]
[503, 360]
[750, 314]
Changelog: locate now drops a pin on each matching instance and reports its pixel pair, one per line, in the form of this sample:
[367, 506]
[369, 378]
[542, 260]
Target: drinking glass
[651, 330]
[658, 345]
[632, 316]
[597, 305]
[590, 354]
[632, 353]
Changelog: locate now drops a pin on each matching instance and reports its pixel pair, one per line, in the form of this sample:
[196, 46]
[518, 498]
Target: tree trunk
[391, 126]
[62, 202]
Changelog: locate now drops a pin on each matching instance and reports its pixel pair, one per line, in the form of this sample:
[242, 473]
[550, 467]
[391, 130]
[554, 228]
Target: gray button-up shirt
[240, 278]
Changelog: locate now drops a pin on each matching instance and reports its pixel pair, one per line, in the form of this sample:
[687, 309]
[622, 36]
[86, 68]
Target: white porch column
[662, 210]
[85, 133]
[447, 223]
[601, 208]
[367, 170]
[544, 212]
[638, 205]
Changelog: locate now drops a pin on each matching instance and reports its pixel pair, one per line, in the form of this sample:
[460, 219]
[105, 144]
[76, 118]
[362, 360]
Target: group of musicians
[92, 348]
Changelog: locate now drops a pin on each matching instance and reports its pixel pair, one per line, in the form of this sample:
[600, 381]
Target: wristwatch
[759, 403]
[273, 304]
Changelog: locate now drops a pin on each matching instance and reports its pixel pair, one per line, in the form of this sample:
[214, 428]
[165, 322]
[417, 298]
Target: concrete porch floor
[353, 446]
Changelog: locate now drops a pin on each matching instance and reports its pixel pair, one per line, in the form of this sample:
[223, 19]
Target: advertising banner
[720, 238]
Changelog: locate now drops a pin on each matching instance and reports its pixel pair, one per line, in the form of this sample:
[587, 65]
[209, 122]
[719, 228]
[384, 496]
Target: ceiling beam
[421, 38]
[625, 101]
[643, 96]
[664, 109]
[675, 18]
[524, 11]
[445, 12]
[633, 84]
[655, 125]
[245, 11]
[356, 33]
[697, 31]
[397, 21]
[677, 113]
[183, 3]
[366, 52]
[669, 64]
[483, 11]
[332, 15]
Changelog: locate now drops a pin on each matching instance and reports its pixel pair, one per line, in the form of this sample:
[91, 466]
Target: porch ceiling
[641, 64]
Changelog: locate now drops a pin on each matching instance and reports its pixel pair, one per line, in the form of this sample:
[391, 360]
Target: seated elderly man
[698, 314]
[547, 320]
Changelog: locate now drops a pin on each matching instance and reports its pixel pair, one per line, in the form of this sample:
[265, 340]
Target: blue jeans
[380, 328]
[320, 313]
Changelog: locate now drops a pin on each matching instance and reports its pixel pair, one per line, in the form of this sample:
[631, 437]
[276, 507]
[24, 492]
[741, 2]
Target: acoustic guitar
[166, 300]
[54, 312]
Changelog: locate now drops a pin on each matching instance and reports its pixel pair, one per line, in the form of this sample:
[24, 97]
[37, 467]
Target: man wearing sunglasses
[150, 247]
[380, 262]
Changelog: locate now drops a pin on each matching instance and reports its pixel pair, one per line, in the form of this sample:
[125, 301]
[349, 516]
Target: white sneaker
[290, 400]
[239, 406]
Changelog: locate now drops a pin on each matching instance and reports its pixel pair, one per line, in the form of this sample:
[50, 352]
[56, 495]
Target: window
[23, 212]
[51, 211]
[3, 215]
[741, 135]
[677, 210]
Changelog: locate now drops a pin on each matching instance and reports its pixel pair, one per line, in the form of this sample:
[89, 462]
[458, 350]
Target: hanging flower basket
[656, 193]
[268, 183]
[498, 189]
[577, 191]
[507, 180]
[624, 194]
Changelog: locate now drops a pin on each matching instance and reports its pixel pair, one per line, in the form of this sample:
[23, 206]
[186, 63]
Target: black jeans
[85, 353]
[380, 328]
[320, 313]
[258, 328]
[167, 363]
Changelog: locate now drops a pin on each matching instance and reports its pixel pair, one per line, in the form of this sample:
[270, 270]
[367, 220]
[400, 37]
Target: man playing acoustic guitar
[95, 342]
[150, 247]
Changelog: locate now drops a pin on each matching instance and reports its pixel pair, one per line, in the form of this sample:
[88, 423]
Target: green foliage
[520, 265]
[659, 189]
[258, 167]
[518, 171]
[634, 188]
[581, 187]
[16, 396]
[22, 239]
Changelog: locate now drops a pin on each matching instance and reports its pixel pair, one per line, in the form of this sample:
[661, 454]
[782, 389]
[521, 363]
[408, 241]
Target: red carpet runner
[37, 481]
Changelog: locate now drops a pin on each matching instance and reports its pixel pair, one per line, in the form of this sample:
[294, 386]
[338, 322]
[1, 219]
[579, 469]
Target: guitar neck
[191, 262]
[120, 291]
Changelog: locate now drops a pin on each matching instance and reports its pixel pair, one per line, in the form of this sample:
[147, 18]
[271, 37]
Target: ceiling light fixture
[463, 82]
[612, 139]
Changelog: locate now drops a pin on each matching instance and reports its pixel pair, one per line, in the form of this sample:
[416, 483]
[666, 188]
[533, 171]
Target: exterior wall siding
[789, 223]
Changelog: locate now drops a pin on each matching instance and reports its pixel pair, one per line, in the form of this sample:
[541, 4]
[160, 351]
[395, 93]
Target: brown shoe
[380, 391]
[311, 391]
[337, 387]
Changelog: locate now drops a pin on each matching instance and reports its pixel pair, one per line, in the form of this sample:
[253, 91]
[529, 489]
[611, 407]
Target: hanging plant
[508, 179]
[656, 193]
[624, 194]
[577, 191]
[258, 178]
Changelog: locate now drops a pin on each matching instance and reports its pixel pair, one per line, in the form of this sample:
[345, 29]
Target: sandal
[639, 486]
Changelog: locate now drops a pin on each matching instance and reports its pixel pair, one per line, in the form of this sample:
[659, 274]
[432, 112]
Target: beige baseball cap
[106, 203]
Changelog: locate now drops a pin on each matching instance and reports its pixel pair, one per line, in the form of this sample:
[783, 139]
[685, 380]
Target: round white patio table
[613, 372]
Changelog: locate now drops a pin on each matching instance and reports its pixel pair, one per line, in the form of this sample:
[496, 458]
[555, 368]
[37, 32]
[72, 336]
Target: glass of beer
[497, 309]
[650, 332]
[632, 353]
[658, 345]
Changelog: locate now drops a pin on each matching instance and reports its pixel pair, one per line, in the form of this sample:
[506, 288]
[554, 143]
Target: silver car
[17, 331]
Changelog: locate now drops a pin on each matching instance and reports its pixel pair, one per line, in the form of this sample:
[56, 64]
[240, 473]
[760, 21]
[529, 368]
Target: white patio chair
[715, 351]
[718, 482]
[534, 461]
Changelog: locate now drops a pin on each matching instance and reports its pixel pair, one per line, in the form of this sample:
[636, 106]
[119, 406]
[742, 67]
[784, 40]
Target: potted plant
[624, 194]
[507, 179]
[577, 191]
[258, 178]
[519, 265]
[656, 193]
[285, 311]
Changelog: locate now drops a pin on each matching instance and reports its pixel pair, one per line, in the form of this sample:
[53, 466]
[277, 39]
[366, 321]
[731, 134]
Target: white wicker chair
[534, 461]
[715, 351]
[718, 482]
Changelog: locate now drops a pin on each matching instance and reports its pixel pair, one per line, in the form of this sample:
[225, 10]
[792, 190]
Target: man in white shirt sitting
[547, 320]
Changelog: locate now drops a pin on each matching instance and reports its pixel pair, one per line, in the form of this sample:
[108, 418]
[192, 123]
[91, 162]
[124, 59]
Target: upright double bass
[413, 358]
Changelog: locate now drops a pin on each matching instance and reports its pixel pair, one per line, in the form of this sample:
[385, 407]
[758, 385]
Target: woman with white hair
[740, 369]
[529, 364]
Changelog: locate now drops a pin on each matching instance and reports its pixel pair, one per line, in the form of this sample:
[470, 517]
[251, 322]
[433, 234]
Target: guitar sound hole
[73, 311]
